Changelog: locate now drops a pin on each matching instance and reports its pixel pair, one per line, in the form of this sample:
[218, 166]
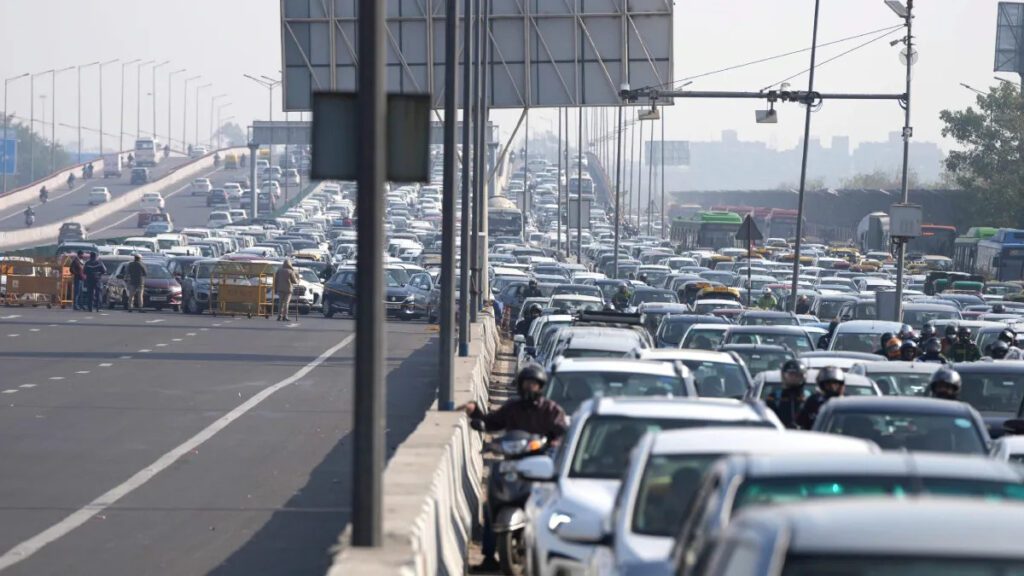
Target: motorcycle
[71, 181]
[30, 219]
[43, 197]
[507, 493]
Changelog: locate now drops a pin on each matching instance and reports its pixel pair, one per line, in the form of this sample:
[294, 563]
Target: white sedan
[201, 186]
[152, 200]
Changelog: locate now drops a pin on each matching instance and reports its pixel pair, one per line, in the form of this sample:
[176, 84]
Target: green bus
[965, 248]
[714, 230]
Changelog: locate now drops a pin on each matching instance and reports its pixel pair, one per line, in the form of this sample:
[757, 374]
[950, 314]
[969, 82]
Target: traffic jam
[681, 411]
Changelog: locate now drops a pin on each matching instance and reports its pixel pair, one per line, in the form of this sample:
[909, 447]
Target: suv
[140, 175]
[71, 232]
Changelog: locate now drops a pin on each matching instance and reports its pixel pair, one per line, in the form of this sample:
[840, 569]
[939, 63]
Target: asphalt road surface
[65, 204]
[161, 443]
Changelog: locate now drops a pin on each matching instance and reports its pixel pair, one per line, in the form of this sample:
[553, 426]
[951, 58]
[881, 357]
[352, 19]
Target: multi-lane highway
[172, 444]
[65, 204]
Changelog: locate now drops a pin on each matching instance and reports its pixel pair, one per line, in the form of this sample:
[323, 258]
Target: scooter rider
[30, 216]
[44, 194]
[964, 350]
[831, 382]
[1010, 338]
[932, 352]
[788, 402]
[945, 384]
[532, 413]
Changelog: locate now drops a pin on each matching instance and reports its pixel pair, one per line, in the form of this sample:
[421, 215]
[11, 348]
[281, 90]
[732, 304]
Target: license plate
[158, 298]
[393, 306]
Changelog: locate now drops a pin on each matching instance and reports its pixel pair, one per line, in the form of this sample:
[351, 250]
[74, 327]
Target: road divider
[47, 233]
[54, 183]
[433, 484]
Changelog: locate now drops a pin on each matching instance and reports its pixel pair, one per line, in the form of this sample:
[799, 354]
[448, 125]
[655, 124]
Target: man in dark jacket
[94, 272]
[831, 382]
[788, 402]
[964, 349]
[136, 280]
[523, 326]
[77, 270]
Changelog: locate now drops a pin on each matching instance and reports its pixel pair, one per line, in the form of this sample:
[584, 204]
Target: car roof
[897, 366]
[612, 365]
[720, 409]
[918, 527]
[905, 464]
[755, 441]
[768, 313]
[756, 348]
[576, 297]
[929, 306]
[687, 354]
[898, 404]
[775, 377]
[991, 367]
[869, 326]
[695, 319]
[770, 329]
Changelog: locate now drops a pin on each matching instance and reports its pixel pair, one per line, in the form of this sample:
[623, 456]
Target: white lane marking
[104, 314]
[175, 339]
[10, 317]
[157, 321]
[29, 547]
[27, 386]
[33, 329]
[293, 324]
[52, 325]
[216, 325]
[13, 335]
[108, 364]
[161, 345]
[126, 357]
[190, 334]
[205, 329]
[144, 350]
[135, 215]
[89, 317]
[72, 321]
[56, 377]
[10, 391]
[82, 372]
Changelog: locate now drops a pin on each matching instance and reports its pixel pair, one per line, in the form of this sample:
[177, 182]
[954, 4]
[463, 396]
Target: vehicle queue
[714, 420]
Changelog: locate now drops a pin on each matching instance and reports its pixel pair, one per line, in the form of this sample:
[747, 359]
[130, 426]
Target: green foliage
[31, 144]
[231, 134]
[990, 163]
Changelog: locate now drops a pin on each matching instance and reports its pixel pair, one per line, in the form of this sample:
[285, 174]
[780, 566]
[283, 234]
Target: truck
[112, 166]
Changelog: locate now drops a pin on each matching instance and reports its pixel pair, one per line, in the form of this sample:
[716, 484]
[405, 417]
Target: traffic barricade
[35, 282]
[243, 288]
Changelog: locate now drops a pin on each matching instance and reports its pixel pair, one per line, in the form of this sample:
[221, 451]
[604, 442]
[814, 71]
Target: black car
[217, 197]
[140, 175]
[995, 389]
[340, 296]
[674, 326]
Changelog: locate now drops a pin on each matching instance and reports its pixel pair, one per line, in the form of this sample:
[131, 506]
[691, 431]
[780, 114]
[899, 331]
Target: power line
[888, 29]
[836, 57]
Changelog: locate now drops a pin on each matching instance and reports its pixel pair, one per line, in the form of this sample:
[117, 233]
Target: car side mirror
[1014, 426]
[519, 339]
[537, 468]
[583, 530]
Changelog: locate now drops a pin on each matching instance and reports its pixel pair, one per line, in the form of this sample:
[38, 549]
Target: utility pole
[213, 102]
[198, 90]
[483, 128]
[579, 187]
[120, 131]
[474, 245]
[184, 112]
[170, 98]
[108, 62]
[32, 123]
[446, 389]
[155, 68]
[53, 115]
[138, 103]
[467, 213]
[664, 113]
[368, 469]
[559, 154]
[618, 193]
[3, 152]
[908, 131]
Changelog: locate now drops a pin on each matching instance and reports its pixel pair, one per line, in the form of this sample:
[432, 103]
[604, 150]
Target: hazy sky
[222, 39]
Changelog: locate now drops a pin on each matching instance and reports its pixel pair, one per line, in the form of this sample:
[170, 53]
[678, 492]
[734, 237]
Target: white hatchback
[218, 219]
[201, 186]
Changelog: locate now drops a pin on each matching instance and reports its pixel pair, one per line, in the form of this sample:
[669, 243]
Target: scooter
[30, 219]
[507, 493]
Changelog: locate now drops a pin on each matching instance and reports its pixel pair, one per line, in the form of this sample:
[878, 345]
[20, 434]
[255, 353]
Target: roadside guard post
[28, 282]
[243, 288]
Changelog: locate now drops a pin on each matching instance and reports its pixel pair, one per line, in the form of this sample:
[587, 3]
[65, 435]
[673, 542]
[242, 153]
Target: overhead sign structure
[543, 53]
[677, 152]
[904, 221]
[282, 133]
[1010, 37]
[9, 156]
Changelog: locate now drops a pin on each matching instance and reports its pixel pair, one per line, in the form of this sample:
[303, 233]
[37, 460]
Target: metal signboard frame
[904, 222]
[1009, 37]
[543, 53]
[282, 133]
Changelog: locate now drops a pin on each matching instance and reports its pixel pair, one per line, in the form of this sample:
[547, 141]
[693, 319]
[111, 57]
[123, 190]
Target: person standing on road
[94, 272]
[77, 269]
[136, 281]
[284, 280]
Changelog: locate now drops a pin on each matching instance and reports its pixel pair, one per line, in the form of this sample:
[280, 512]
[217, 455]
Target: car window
[797, 342]
[993, 392]
[915, 432]
[666, 492]
[570, 389]
[703, 339]
[718, 379]
[758, 362]
[902, 383]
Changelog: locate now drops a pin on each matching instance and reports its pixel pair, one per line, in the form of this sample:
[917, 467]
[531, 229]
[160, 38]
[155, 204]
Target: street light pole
[220, 124]
[120, 132]
[184, 112]
[3, 150]
[32, 123]
[100, 69]
[170, 99]
[80, 106]
[901, 254]
[53, 116]
[155, 69]
[138, 98]
[198, 90]
[269, 84]
[213, 103]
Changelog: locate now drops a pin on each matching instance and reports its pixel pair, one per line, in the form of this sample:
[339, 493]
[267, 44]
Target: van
[146, 152]
[112, 166]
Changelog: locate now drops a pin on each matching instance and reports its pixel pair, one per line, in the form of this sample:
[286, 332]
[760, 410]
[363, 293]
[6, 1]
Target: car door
[420, 286]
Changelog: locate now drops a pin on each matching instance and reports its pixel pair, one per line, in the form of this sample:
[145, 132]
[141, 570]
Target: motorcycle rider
[908, 351]
[892, 348]
[787, 402]
[884, 341]
[620, 300]
[767, 301]
[532, 290]
[998, 350]
[523, 326]
[44, 194]
[831, 382]
[949, 339]
[30, 216]
[1010, 338]
[933, 352]
[945, 384]
[927, 332]
[964, 350]
[71, 180]
[532, 413]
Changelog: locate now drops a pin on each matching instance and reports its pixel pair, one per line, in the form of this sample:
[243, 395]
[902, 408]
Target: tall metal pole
[138, 101]
[198, 90]
[155, 69]
[618, 193]
[664, 112]
[170, 98]
[579, 188]
[100, 71]
[3, 152]
[184, 111]
[901, 254]
[526, 172]
[803, 166]
[120, 131]
[559, 154]
[474, 247]
[629, 177]
[213, 102]
[446, 388]
[467, 214]
[485, 153]
[650, 180]
[565, 153]
[368, 434]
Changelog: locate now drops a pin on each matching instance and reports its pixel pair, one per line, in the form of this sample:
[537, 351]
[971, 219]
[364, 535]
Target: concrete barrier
[54, 183]
[47, 233]
[429, 518]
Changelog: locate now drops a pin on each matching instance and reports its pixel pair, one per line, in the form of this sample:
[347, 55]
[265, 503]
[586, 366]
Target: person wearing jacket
[788, 402]
[284, 280]
[831, 382]
[94, 272]
[77, 270]
[136, 272]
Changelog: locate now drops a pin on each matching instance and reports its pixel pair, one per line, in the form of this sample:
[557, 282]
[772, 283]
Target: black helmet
[951, 330]
[908, 346]
[963, 332]
[1008, 336]
[933, 346]
[998, 350]
[886, 336]
[945, 384]
[830, 374]
[533, 281]
[796, 367]
[927, 331]
[535, 308]
[532, 371]
[998, 309]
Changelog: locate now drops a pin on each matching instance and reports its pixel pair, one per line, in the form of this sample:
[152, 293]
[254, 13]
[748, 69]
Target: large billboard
[677, 152]
[1009, 37]
[543, 53]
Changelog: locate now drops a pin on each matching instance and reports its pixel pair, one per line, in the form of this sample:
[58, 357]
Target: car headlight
[557, 519]
[410, 299]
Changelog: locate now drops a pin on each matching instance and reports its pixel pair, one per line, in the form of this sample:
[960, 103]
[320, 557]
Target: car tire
[124, 301]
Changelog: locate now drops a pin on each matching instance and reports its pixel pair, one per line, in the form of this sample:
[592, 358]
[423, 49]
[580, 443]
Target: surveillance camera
[766, 116]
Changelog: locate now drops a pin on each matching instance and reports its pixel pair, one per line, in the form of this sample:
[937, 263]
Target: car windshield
[666, 491]
[993, 391]
[604, 445]
[922, 317]
[718, 379]
[758, 362]
[570, 389]
[902, 383]
[308, 275]
[868, 565]
[755, 320]
[775, 388]
[784, 490]
[856, 342]
[653, 296]
[914, 432]
[671, 330]
[703, 338]
[580, 289]
[796, 342]
[572, 305]
[157, 272]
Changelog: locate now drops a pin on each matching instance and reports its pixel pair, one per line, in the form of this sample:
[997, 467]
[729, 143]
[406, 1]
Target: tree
[31, 144]
[231, 134]
[989, 164]
[881, 180]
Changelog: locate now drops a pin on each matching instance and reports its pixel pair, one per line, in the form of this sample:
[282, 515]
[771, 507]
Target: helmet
[793, 367]
[950, 330]
[908, 345]
[1008, 336]
[533, 372]
[766, 291]
[998, 349]
[892, 347]
[933, 346]
[945, 384]
[998, 308]
[886, 336]
[963, 332]
[927, 331]
[535, 309]
[533, 281]
[830, 374]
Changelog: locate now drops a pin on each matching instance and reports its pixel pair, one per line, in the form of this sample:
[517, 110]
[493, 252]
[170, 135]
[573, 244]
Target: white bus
[147, 152]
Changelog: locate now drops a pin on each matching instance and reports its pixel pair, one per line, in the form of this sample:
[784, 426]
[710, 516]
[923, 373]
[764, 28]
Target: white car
[580, 492]
[158, 227]
[99, 195]
[218, 219]
[314, 294]
[665, 472]
[271, 187]
[201, 186]
[272, 173]
[238, 215]
[199, 151]
[291, 177]
[152, 200]
[233, 190]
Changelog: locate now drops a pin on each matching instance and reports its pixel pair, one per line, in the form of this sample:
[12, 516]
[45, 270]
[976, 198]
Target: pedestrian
[94, 272]
[77, 269]
[136, 282]
[284, 280]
